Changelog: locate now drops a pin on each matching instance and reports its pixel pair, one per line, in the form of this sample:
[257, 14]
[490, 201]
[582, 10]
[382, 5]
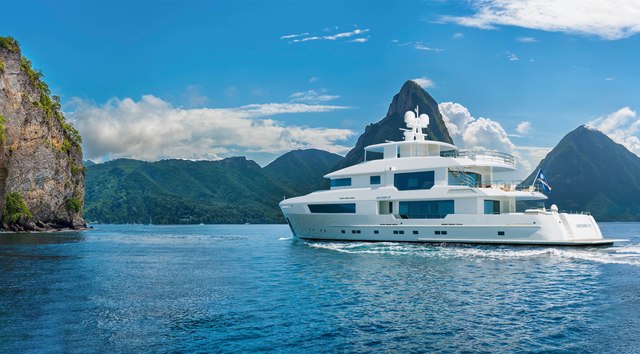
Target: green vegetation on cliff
[3, 130]
[15, 209]
[9, 43]
[49, 104]
[74, 204]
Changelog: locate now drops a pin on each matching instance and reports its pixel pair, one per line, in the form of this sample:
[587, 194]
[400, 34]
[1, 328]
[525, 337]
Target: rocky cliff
[41, 171]
[410, 96]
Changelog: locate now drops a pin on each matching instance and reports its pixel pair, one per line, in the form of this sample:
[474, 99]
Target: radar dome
[409, 117]
[424, 119]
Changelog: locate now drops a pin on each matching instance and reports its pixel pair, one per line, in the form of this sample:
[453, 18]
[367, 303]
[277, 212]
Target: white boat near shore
[418, 190]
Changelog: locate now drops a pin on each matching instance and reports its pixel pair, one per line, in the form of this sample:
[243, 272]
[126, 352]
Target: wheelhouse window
[413, 180]
[344, 208]
[341, 182]
[426, 209]
[492, 207]
[374, 180]
[464, 178]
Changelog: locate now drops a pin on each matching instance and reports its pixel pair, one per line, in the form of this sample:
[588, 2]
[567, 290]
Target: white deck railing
[482, 155]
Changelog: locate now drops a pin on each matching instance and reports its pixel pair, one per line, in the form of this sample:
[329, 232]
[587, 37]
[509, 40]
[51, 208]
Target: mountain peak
[590, 172]
[411, 95]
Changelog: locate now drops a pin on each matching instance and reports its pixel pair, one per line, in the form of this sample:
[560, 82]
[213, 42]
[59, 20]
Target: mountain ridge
[173, 191]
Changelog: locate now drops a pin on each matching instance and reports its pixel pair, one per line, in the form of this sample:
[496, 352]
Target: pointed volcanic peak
[411, 95]
[590, 172]
[303, 171]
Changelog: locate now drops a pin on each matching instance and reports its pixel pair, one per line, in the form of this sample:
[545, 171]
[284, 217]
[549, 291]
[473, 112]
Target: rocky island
[41, 171]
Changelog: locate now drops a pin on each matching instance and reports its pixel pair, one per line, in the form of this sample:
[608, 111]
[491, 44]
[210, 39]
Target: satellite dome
[409, 117]
[424, 119]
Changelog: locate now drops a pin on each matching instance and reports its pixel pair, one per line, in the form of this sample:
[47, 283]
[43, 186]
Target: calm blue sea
[247, 288]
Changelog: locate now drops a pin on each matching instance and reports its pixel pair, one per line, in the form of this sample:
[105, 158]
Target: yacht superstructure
[418, 190]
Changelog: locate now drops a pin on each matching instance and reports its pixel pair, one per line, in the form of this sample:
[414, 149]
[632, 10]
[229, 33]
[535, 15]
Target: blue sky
[155, 80]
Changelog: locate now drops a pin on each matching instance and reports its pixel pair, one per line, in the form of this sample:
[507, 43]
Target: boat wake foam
[629, 255]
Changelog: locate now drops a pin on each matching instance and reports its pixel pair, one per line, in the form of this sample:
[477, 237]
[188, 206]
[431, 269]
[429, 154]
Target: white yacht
[418, 190]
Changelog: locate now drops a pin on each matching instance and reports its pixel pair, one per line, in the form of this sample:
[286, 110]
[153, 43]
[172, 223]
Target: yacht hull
[530, 228]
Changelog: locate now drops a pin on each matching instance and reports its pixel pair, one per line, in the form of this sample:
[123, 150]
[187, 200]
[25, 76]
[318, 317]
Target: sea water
[247, 288]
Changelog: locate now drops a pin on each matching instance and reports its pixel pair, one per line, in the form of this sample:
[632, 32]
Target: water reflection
[41, 238]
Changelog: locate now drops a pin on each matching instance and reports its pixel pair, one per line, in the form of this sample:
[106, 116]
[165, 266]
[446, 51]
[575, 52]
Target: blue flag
[543, 181]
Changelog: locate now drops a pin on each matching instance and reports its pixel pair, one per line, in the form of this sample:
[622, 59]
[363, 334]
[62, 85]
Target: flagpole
[536, 177]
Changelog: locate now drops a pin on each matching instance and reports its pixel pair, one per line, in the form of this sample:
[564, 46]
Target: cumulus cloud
[152, 129]
[607, 20]
[470, 132]
[312, 96]
[424, 82]
[481, 133]
[622, 126]
[523, 127]
[359, 40]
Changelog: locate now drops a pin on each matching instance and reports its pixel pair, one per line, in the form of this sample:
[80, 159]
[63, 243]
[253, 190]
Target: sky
[209, 80]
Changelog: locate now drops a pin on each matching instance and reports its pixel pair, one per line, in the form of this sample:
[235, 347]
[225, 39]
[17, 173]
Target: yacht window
[374, 180]
[426, 209]
[457, 178]
[413, 180]
[492, 207]
[341, 182]
[347, 208]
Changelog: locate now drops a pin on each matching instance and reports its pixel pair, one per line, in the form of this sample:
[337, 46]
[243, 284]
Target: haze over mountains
[587, 171]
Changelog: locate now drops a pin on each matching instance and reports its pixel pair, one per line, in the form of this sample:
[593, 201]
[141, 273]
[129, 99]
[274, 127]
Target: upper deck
[429, 148]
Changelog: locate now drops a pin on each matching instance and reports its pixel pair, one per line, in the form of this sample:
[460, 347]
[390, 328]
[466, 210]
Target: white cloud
[313, 79]
[332, 37]
[289, 36]
[527, 40]
[523, 127]
[420, 46]
[512, 56]
[457, 35]
[469, 132]
[152, 129]
[604, 19]
[417, 45]
[622, 126]
[312, 96]
[346, 34]
[609, 78]
[424, 82]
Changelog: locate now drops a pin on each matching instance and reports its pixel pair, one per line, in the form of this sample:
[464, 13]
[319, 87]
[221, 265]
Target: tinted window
[464, 179]
[433, 209]
[492, 207]
[413, 180]
[341, 182]
[333, 208]
[374, 180]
